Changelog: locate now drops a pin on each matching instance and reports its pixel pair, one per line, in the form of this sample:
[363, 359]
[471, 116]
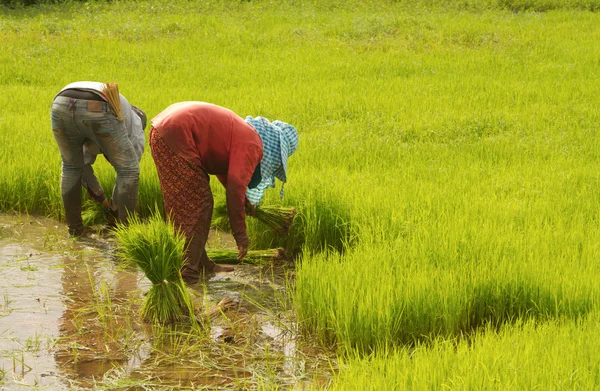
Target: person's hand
[98, 198]
[250, 209]
[242, 251]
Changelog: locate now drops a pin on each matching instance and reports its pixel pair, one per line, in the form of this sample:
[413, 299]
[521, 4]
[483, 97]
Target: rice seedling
[253, 257]
[93, 213]
[157, 248]
[524, 356]
[322, 222]
[417, 301]
[220, 219]
[278, 218]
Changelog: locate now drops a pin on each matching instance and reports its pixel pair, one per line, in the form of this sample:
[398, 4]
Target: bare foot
[222, 268]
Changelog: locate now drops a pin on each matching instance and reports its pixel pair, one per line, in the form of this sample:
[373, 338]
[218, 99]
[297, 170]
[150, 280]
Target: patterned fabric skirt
[186, 190]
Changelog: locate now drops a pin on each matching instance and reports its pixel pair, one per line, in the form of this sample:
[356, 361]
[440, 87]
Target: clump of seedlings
[253, 257]
[93, 213]
[157, 248]
[278, 218]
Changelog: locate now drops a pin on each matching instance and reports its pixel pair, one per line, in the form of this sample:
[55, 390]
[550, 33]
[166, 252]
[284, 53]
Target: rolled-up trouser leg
[90, 182]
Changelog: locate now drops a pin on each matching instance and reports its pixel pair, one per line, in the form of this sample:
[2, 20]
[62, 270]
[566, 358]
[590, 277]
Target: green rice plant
[150, 195]
[528, 355]
[322, 222]
[220, 219]
[278, 218]
[93, 213]
[253, 257]
[373, 298]
[156, 248]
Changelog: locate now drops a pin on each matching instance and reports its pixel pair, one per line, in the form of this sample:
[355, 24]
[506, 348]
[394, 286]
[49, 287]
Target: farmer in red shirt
[192, 140]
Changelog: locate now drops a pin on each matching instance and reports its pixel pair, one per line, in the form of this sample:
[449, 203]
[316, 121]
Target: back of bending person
[192, 140]
[90, 152]
[82, 117]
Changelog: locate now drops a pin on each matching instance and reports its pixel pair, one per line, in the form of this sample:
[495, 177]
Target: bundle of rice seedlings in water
[111, 92]
[278, 218]
[157, 249]
[253, 257]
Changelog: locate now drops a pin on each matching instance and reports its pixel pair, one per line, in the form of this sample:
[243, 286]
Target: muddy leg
[195, 258]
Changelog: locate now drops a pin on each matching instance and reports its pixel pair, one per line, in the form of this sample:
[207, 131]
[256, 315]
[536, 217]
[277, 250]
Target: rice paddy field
[446, 185]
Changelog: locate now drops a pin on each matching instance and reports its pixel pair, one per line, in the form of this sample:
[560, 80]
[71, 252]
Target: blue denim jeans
[74, 121]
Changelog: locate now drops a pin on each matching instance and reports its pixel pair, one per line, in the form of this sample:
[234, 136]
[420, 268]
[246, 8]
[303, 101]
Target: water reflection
[99, 329]
[69, 319]
[29, 304]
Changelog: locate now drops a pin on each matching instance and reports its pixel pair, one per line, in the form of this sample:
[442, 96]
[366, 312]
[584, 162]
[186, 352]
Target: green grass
[447, 178]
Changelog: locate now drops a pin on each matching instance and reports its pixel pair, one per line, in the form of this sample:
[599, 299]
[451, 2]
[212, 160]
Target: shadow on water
[69, 319]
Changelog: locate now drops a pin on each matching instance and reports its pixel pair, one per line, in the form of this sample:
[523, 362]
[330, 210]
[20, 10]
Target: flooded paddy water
[69, 320]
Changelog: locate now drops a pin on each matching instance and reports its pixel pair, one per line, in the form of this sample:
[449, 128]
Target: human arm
[91, 184]
[242, 252]
[134, 128]
[223, 180]
[88, 178]
[242, 162]
[249, 208]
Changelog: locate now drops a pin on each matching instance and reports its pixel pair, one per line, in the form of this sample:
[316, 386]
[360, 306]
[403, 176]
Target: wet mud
[69, 320]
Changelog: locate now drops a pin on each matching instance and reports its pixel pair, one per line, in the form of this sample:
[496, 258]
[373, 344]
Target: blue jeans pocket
[57, 123]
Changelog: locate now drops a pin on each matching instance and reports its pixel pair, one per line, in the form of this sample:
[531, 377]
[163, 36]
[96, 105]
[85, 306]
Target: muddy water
[69, 319]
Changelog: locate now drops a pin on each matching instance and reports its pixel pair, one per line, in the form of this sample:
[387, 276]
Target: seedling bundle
[93, 213]
[253, 257]
[278, 218]
[157, 248]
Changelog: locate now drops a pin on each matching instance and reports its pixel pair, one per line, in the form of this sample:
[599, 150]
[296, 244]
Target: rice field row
[548, 356]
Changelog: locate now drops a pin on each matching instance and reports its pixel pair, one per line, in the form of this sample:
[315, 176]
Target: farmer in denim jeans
[91, 150]
[81, 115]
